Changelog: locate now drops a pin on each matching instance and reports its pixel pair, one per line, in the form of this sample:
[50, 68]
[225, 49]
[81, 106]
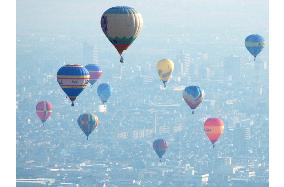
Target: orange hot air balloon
[213, 128]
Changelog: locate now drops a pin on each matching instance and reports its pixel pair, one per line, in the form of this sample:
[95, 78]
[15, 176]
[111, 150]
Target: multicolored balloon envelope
[73, 78]
[121, 25]
[43, 110]
[214, 128]
[254, 44]
[88, 122]
[104, 92]
[165, 67]
[193, 96]
[160, 146]
[95, 72]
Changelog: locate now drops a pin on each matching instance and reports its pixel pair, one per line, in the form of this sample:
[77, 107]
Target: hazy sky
[83, 16]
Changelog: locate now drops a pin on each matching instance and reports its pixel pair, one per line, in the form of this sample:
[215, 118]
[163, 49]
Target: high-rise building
[243, 137]
[186, 65]
[182, 66]
[232, 68]
[90, 54]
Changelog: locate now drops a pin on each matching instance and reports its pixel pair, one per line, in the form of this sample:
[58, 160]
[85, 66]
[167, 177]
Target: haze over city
[204, 39]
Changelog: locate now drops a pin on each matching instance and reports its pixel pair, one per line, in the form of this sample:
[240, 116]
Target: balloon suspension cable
[121, 59]
[72, 103]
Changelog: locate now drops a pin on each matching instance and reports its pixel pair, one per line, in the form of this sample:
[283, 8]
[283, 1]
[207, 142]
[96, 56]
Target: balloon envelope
[160, 146]
[121, 25]
[193, 96]
[214, 128]
[73, 78]
[254, 44]
[95, 72]
[104, 92]
[165, 67]
[88, 122]
[43, 110]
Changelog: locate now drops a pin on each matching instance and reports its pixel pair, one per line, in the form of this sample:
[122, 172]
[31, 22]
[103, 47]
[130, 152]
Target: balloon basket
[102, 108]
[162, 87]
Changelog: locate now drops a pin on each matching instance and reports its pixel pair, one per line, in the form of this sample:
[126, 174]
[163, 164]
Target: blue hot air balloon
[254, 44]
[104, 92]
[73, 78]
[193, 96]
[160, 146]
[88, 122]
[95, 72]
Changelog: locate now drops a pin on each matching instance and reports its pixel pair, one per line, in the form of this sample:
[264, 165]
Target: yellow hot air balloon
[165, 67]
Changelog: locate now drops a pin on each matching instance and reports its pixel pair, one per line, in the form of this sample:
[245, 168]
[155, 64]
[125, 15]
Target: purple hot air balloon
[95, 72]
[160, 146]
[43, 110]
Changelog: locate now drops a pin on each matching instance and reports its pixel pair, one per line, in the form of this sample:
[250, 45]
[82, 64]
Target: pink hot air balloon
[43, 110]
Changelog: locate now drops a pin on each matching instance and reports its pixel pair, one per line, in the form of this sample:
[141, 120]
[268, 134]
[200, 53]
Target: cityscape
[119, 152]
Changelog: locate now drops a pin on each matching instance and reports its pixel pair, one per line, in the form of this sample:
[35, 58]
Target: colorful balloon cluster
[122, 25]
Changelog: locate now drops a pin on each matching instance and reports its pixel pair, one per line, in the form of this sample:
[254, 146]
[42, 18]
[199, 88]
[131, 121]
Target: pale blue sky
[83, 17]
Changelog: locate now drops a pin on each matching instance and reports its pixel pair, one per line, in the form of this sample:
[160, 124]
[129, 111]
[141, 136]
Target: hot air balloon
[254, 44]
[104, 92]
[73, 78]
[43, 110]
[214, 128]
[165, 67]
[193, 96]
[95, 72]
[121, 25]
[160, 146]
[88, 122]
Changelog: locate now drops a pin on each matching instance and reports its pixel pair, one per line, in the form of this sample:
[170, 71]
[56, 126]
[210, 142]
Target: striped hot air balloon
[73, 78]
[95, 72]
[121, 25]
[43, 110]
